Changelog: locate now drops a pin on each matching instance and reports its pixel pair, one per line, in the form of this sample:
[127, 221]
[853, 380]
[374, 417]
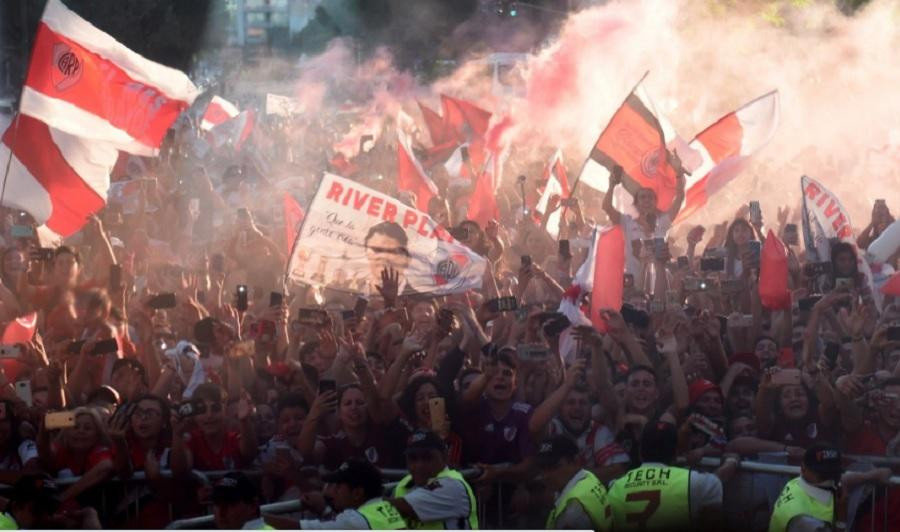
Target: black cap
[357, 474]
[824, 460]
[234, 487]
[37, 488]
[554, 449]
[425, 440]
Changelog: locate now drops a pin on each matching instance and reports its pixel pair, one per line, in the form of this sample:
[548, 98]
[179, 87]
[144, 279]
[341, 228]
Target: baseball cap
[37, 488]
[356, 474]
[699, 387]
[554, 449]
[824, 460]
[234, 487]
[425, 440]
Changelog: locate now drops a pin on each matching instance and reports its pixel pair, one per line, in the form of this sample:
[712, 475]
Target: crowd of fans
[201, 378]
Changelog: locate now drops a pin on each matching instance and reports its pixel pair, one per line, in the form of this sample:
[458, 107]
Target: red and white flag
[724, 148]
[557, 185]
[410, 175]
[235, 131]
[59, 179]
[83, 82]
[464, 118]
[602, 275]
[483, 202]
[293, 217]
[219, 110]
[636, 139]
[437, 128]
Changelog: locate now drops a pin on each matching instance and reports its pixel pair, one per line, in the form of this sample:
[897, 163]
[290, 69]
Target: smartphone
[438, 411]
[683, 263]
[242, 303]
[312, 316]
[755, 249]
[564, 250]
[526, 261]
[105, 346]
[786, 377]
[755, 213]
[327, 385]
[628, 281]
[162, 301]
[115, 277]
[843, 282]
[21, 231]
[660, 249]
[893, 333]
[791, 234]
[832, 350]
[635, 317]
[362, 304]
[276, 299]
[532, 352]
[503, 304]
[217, 263]
[23, 392]
[807, 303]
[347, 315]
[712, 264]
[556, 325]
[59, 420]
[10, 351]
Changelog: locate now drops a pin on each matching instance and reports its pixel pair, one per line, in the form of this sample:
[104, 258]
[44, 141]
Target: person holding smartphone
[650, 222]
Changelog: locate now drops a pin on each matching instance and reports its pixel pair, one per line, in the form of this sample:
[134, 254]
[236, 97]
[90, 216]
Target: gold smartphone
[59, 420]
[438, 412]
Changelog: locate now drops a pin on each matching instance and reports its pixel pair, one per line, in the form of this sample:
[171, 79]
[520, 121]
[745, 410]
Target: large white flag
[352, 232]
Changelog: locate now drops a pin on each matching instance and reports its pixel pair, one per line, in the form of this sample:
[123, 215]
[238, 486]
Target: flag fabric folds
[557, 184]
[83, 82]
[218, 110]
[411, 177]
[774, 293]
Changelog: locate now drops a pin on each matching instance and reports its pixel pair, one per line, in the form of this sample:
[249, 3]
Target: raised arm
[680, 183]
[615, 178]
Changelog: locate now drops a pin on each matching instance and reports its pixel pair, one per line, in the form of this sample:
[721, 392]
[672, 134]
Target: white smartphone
[23, 392]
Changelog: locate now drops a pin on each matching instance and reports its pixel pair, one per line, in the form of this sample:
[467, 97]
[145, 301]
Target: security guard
[657, 496]
[355, 491]
[808, 500]
[582, 501]
[236, 503]
[34, 499]
[433, 496]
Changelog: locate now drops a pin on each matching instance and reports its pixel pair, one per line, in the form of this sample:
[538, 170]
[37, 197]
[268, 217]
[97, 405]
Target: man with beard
[567, 412]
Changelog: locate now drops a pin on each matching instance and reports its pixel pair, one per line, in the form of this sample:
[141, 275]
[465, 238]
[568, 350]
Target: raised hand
[390, 286]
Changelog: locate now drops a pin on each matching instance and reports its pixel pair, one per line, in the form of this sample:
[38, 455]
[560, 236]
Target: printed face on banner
[351, 233]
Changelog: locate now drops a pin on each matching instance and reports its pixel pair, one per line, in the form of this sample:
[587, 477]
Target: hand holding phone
[786, 377]
[59, 420]
[242, 302]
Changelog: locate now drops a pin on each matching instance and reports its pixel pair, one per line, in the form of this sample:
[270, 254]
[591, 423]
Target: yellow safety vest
[793, 502]
[652, 498]
[472, 521]
[591, 495]
[381, 515]
[7, 522]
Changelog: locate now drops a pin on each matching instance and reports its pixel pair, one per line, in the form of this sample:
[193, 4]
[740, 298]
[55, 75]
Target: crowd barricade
[749, 496]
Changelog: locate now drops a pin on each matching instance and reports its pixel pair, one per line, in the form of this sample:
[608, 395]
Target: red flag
[461, 115]
[773, 275]
[609, 274]
[483, 202]
[293, 217]
[634, 139]
[724, 146]
[410, 175]
[437, 129]
[218, 111]
[84, 82]
[892, 286]
[59, 179]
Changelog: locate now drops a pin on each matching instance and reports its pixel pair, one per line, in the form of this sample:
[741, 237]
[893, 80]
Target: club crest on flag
[67, 67]
[449, 268]
[651, 160]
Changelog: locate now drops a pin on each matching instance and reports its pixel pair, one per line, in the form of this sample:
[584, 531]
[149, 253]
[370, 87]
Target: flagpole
[287, 271]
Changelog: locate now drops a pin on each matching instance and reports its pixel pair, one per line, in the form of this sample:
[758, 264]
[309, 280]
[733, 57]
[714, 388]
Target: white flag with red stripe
[218, 111]
[725, 146]
[557, 185]
[411, 177]
[59, 179]
[83, 82]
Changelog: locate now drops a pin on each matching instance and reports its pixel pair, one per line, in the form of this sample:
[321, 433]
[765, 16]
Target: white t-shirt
[634, 231]
[443, 499]
[597, 444]
[27, 451]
